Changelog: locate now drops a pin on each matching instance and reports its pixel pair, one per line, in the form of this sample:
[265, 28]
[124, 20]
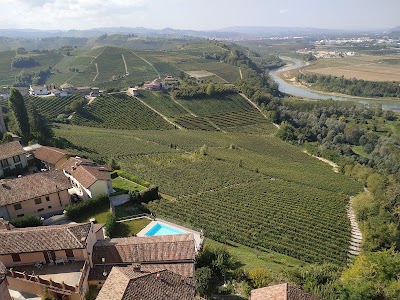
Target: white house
[87, 178]
[133, 91]
[38, 90]
[12, 158]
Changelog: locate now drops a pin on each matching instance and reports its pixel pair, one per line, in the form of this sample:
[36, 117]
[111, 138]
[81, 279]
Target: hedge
[130, 177]
[73, 211]
[27, 221]
[149, 195]
[111, 225]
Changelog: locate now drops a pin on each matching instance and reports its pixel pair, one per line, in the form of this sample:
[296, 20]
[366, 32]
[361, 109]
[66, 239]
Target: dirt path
[185, 108]
[334, 166]
[147, 62]
[160, 114]
[97, 72]
[126, 68]
[253, 104]
[356, 235]
[240, 73]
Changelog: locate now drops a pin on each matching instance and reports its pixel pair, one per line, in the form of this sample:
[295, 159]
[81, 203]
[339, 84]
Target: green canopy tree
[17, 106]
[40, 129]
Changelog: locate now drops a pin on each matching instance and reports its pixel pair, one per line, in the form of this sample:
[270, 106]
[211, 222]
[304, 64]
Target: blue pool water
[160, 229]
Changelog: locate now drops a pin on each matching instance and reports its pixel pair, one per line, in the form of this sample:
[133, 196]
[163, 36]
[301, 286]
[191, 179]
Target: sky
[199, 14]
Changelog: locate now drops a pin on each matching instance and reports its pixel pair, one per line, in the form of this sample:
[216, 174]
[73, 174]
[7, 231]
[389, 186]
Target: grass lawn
[100, 214]
[131, 228]
[249, 259]
[123, 186]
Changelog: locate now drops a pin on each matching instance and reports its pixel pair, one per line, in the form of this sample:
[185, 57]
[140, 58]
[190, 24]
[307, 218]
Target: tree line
[353, 87]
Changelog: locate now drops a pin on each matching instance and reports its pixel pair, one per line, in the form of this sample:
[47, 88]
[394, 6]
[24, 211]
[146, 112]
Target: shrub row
[27, 221]
[73, 211]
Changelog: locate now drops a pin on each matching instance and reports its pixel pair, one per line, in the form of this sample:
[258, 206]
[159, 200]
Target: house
[133, 91]
[146, 283]
[154, 85]
[3, 127]
[175, 253]
[170, 81]
[87, 178]
[283, 291]
[51, 157]
[4, 293]
[38, 90]
[12, 159]
[56, 259]
[67, 88]
[58, 93]
[41, 193]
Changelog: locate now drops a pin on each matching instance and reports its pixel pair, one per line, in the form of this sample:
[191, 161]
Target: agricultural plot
[371, 68]
[51, 107]
[250, 188]
[195, 123]
[162, 103]
[119, 111]
[201, 48]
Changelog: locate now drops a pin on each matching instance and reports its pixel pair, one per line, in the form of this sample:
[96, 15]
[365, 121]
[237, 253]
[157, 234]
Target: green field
[119, 111]
[250, 188]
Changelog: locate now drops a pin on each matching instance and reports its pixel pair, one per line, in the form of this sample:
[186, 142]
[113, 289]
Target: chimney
[4, 225]
[137, 267]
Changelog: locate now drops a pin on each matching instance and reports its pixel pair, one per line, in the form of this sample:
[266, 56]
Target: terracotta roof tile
[2, 272]
[86, 171]
[283, 291]
[10, 149]
[165, 248]
[32, 186]
[124, 283]
[44, 238]
[50, 154]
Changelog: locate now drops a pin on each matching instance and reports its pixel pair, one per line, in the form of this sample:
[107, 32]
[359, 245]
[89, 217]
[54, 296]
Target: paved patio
[69, 273]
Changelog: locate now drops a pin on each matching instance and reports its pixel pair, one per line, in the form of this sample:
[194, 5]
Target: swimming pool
[160, 229]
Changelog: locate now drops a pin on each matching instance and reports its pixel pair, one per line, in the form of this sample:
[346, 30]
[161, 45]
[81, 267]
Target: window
[15, 257]
[40, 209]
[21, 215]
[38, 201]
[17, 159]
[49, 206]
[19, 166]
[69, 253]
[47, 198]
[17, 206]
[4, 163]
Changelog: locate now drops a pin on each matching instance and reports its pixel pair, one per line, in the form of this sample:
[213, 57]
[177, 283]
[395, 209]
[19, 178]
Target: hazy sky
[198, 14]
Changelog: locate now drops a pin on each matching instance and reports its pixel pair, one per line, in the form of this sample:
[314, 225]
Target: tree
[113, 164]
[40, 129]
[203, 278]
[259, 277]
[17, 106]
[210, 89]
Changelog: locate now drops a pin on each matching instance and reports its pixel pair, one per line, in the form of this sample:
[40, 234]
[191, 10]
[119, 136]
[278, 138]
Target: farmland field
[250, 187]
[371, 68]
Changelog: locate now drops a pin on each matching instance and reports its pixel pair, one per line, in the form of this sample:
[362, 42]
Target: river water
[297, 91]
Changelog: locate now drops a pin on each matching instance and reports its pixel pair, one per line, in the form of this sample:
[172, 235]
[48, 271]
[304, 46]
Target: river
[303, 92]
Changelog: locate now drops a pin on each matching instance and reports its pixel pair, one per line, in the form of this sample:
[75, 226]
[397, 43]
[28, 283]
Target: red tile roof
[167, 248]
[283, 291]
[32, 186]
[50, 154]
[86, 171]
[10, 149]
[128, 283]
[44, 238]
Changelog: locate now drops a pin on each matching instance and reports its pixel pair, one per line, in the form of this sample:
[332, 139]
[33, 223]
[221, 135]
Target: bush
[73, 211]
[149, 195]
[203, 280]
[259, 277]
[27, 221]
[111, 225]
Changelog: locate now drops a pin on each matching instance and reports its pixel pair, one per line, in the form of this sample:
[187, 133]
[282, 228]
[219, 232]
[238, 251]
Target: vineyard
[119, 111]
[162, 103]
[250, 188]
[51, 107]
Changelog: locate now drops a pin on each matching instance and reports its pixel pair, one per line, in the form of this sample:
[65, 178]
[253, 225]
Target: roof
[98, 226]
[66, 86]
[5, 225]
[185, 269]
[10, 149]
[283, 291]
[51, 155]
[2, 272]
[44, 238]
[128, 283]
[32, 186]
[86, 171]
[167, 248]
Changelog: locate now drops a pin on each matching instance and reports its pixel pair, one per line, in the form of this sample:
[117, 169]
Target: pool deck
[197, 235]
